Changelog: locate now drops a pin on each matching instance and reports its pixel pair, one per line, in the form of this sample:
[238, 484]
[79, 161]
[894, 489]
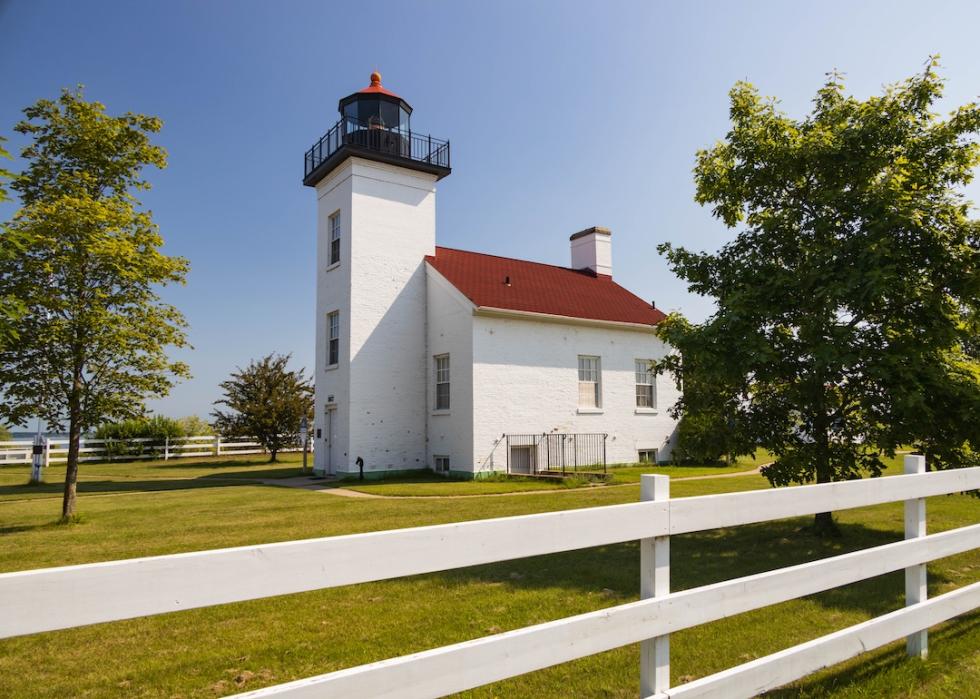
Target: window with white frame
[647, 456]
[333, 338]
[589, 389]
[335, 238]
[442, 381]
[441, 463]
[646, 391]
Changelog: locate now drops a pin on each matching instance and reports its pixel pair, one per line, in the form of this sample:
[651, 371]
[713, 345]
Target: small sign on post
[304, 426]
[37, 455]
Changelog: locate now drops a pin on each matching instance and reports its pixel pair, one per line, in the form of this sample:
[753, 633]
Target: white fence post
[166, 448]
[654, 582]
[917, 644]
[47, 452]
[217, 445]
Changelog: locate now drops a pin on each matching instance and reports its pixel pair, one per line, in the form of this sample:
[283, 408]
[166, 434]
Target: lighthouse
[375, 182]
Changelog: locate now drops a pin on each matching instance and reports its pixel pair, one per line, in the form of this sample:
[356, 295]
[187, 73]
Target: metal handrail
[398, 142]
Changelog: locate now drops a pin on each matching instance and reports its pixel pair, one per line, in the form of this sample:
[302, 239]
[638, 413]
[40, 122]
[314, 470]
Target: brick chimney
[592, 249]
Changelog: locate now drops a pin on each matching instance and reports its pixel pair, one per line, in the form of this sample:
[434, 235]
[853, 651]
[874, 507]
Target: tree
[10, 307]
[85, 266]
[267, 402]
[846, 302]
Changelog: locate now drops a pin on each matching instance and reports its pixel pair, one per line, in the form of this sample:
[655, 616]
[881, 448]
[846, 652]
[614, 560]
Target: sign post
[37, 454]
[304, 426]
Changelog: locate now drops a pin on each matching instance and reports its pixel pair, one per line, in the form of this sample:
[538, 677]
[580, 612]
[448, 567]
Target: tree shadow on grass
[704, 558]
[878, 661]
[135, 485]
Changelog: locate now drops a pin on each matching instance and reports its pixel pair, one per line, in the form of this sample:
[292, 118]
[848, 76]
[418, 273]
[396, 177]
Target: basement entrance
[555, 454]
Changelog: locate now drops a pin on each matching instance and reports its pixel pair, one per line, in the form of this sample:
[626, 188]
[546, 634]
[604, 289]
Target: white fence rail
[55, 598]
[18, 452]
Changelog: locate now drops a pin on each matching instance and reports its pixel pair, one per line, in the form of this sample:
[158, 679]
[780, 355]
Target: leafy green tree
[155, 427]
[845, 302]
[708, 427]
[85, 266]
[5, 433]
[267, 402]
[194, 426]
[4, 173]
[10, 306]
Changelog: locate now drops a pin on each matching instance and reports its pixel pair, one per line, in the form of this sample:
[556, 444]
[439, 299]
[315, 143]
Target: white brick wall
[525, 380]
[507, 375]
[450, 331]
[389, 227]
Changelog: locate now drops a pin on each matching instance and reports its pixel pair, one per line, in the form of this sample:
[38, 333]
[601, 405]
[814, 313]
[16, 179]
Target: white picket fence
[56, 450]
[56, 598]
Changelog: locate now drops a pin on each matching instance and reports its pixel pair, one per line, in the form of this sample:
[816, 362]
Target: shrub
[194, 426]
[701, 439]
[118, 434]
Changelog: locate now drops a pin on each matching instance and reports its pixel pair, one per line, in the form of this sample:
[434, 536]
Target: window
[335, 238]
[333, 338]
[648, 456]
[442, 382]
[588, 382]
[442, 464]
[646, 395]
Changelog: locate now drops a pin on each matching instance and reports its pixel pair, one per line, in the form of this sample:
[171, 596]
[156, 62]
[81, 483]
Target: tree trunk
[823, 522]
[272, 455]
[74, 437]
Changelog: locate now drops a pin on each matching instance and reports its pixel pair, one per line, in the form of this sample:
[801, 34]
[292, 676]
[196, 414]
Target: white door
[522, 460]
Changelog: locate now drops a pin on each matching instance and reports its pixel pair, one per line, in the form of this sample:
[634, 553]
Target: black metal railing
[399, 143]
[555, 453]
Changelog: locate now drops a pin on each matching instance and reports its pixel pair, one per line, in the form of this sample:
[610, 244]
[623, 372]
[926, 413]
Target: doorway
[522, 460]
[330, 439]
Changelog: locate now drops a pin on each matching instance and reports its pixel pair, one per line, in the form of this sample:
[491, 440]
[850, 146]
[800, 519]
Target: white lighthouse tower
[376, 217]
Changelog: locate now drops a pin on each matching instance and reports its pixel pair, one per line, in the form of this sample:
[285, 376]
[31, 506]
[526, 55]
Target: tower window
[646, 393]
[333, 338]
[335, 238]
[442, 382]
[589, 390]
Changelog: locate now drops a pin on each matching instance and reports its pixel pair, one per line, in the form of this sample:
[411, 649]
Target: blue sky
[561, 115]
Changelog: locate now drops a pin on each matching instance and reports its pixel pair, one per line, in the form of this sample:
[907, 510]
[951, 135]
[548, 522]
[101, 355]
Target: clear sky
[561, 115]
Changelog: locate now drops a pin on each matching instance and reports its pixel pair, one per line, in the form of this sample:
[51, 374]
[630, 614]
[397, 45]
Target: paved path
[329, 488]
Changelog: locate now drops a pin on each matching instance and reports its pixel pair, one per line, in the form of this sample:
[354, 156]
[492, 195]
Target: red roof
[540, 288]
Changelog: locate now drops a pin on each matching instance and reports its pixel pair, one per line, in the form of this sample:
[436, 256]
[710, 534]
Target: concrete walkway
[328, 487]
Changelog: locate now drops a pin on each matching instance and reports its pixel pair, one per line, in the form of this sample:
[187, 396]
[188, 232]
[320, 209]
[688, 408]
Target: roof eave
[493, 312]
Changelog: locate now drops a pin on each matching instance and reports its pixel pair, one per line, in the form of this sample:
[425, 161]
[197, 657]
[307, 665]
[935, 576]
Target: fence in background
[35, 601]
[56, 450]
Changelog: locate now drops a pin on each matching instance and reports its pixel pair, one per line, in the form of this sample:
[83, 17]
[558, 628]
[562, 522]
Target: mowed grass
[631, 473]
[221, 650]
[149, 475]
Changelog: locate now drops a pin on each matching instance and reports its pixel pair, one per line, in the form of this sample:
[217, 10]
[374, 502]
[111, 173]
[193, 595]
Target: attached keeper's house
[435, 358]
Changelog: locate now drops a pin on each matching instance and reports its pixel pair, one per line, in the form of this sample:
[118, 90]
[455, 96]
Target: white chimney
[592, 249]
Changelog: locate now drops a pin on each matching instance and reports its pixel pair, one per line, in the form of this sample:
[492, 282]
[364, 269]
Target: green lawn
[148, 476]
[631, 473]
[438, 486]
[220, 650]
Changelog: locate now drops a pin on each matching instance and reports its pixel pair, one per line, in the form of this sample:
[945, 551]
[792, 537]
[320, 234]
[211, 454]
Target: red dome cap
[375, 87]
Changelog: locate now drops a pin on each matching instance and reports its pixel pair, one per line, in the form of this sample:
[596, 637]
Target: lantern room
[375, 124]
[376, 107]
